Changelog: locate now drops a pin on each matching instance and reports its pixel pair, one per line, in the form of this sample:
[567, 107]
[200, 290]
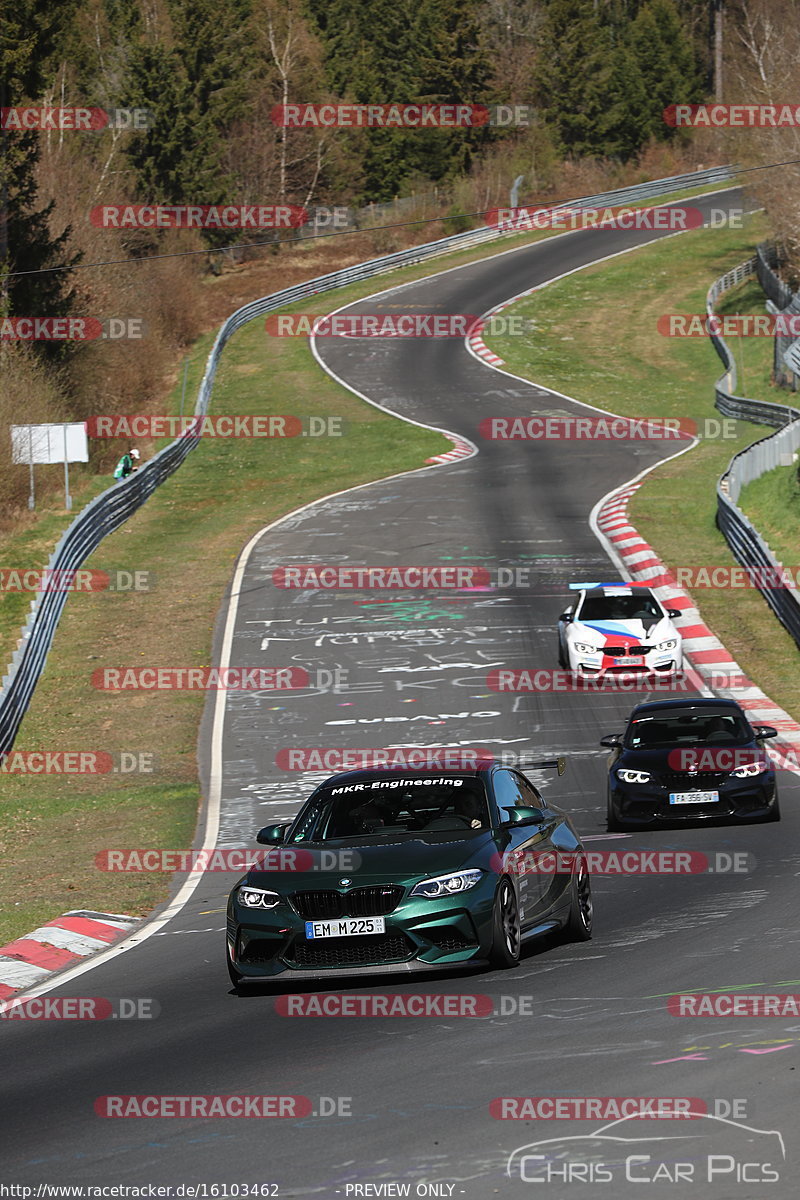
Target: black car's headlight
[447, 885]
[253, 897]
[628, 776]
[747, 770]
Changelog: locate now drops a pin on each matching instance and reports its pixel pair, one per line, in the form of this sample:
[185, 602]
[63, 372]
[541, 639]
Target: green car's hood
[383, 859]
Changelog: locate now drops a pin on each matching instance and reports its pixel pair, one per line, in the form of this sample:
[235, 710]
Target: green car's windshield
[394, 807]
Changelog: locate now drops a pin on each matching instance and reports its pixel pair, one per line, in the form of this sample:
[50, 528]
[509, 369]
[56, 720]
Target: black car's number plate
[345, 927]
[693, 797]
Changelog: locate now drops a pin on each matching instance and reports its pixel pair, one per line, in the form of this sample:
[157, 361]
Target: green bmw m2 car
[400, 869]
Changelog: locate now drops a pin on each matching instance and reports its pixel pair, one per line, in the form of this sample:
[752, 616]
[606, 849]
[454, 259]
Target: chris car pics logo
[717, 1155]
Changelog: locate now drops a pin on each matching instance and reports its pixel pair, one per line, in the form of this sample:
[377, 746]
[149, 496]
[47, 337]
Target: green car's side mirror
[271, 835]
[523, 815]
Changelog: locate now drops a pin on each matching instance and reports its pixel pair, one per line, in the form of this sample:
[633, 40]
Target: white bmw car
[615, 628]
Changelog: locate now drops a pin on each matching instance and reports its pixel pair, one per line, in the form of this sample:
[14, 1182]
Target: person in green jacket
[127, 465]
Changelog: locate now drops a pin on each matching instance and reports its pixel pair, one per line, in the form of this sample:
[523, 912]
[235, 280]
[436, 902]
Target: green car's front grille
[449, 938]
[260, 951]
[350, 952]
[359, 902]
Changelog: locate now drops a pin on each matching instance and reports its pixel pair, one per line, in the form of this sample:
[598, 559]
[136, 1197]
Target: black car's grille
[350, 952]
[702, 781]
[360, 902]
[623, 651]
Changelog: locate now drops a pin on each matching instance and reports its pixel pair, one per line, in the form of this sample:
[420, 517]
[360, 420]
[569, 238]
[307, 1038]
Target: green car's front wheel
[507, 939]
[579, 923]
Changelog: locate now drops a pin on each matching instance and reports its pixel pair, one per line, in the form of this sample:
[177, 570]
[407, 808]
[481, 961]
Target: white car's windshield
[619, 608]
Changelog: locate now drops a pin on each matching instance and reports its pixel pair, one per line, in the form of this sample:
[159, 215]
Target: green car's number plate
[345, 927]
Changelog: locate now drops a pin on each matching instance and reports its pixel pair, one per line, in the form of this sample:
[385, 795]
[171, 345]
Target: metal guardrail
[763, 412]
[781, 300]
[108, 511]
[775, 450]
[766, 260]
[747, 544]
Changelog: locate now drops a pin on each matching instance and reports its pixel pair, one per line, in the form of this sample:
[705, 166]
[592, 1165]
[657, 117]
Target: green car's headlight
[447, 885]
[252, 897]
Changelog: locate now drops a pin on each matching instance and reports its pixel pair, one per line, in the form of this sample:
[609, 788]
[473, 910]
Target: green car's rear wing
[560, 763]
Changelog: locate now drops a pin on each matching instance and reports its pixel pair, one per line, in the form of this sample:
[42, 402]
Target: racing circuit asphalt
[596, 1022]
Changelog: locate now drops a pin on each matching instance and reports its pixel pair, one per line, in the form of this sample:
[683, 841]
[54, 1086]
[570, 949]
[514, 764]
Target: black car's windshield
[395, 807]
[687, 727]
[619, 608]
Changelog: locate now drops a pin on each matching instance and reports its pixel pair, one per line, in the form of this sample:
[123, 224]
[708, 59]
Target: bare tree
[763, 52]
[510, 30]
[296, 57]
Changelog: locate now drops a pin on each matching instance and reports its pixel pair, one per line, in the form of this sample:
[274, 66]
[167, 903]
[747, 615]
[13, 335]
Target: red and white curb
[475, 341]
[478, 346]
[705, 652]
[61, 943]
[461, 449]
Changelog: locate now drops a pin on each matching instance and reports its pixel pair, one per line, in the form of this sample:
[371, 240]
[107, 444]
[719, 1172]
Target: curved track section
[579, 1021]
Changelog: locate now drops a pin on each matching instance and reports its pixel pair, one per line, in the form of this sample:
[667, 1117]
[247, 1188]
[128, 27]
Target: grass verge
[753, 355]
[772, 503]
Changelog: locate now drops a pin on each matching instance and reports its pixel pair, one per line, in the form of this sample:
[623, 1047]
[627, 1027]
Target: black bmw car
[403, 869]
[682, 760]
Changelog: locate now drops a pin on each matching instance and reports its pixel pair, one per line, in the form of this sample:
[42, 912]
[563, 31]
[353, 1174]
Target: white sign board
[49, 443]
